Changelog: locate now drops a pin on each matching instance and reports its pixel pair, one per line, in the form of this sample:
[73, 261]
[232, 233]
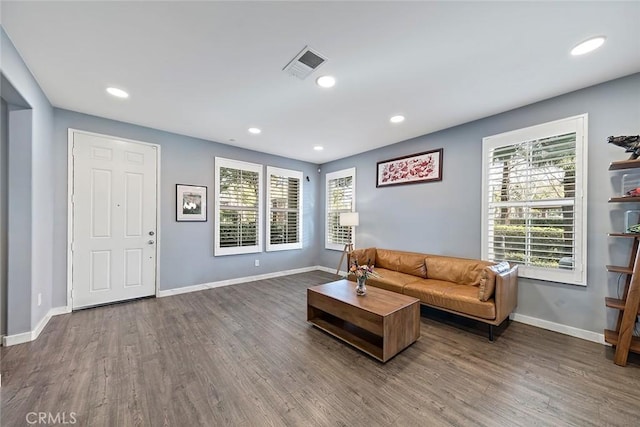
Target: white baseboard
[558, 327]
[32, 335]
[211, 285]
[330, 270]
[16, 339]
[533, 321]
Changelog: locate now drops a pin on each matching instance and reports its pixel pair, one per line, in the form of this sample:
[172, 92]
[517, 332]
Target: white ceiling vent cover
[305, 63]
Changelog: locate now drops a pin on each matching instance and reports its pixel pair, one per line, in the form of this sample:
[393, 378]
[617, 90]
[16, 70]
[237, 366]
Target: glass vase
[361, 289]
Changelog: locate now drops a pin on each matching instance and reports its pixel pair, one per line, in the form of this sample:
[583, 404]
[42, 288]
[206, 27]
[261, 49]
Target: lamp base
[348, 248]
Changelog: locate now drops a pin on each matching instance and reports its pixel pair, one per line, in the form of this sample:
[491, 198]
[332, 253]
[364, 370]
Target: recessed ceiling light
[117, 92]
[397, 119]
[318, 148]
[326, 81]
[254, 131]
[588, 46]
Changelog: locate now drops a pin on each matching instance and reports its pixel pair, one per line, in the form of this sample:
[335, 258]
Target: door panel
[100, 271]
[133, 271]
[100, 203]
[114, 220]
[134, 188]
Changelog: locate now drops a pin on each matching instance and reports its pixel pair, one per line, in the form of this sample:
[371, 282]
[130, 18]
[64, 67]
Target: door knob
[151, 233]
[150, 242]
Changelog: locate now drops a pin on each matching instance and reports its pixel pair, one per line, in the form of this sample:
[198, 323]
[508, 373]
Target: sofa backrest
[404, 262]
[458, 270]
[363, 256]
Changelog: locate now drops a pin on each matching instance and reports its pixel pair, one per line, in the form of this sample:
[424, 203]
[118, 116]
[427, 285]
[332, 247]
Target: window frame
[328, 177]
[579, 125]
[286, 173]
[221, 162]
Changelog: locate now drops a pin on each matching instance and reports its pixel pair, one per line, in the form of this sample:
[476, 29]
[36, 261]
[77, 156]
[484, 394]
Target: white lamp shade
[349, 219]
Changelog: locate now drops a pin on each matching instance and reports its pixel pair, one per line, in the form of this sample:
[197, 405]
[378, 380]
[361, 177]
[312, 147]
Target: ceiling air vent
[305, 63]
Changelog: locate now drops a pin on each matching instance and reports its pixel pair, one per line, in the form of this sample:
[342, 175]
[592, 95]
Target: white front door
[114, 220]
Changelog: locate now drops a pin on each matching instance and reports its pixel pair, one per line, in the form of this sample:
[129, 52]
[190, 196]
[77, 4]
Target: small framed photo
[191, 203]
[412, 169]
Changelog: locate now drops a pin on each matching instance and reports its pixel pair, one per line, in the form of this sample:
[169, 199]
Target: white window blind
[284, 198]
[340, 197]
[238, 207]
[534, 207]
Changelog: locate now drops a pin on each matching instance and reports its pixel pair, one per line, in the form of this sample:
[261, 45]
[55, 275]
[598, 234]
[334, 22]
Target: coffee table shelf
[381, 324]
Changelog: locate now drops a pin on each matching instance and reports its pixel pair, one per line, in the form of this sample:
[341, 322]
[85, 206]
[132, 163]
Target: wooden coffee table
[381, 323]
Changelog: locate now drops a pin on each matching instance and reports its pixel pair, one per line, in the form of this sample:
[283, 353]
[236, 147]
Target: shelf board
[612, 338]
[619, 269]
[616, 303]
[627, 199]
[634, 235]
[624, 164]
[372, 345]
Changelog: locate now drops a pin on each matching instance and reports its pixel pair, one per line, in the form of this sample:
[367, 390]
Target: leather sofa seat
[460, 298]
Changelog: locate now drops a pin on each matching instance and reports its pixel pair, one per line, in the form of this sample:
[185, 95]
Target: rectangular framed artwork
[191, 203]
[412, 169]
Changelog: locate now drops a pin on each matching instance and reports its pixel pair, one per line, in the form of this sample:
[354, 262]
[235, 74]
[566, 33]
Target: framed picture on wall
[191, 203]
[412, 169]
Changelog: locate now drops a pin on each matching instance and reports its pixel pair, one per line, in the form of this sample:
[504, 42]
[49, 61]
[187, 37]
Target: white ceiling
[213, 69]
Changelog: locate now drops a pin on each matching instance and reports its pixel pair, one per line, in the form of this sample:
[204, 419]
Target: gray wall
[444, 217]
[186, 256]
[29, 186]
[4, 168]
[19, 223]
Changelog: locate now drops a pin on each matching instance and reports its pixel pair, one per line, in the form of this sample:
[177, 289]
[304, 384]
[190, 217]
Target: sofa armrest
[506, 293]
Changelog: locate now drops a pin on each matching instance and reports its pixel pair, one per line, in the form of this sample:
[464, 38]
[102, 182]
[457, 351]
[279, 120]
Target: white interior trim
[32, 335]
[220, 283]
[288, 173]
[222, 162]
[578, 125]
[328, 177]
[70, 134]
[558, 327]
[516, 317]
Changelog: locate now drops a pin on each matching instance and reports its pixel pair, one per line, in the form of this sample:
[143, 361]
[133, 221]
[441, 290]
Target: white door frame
[70, 172]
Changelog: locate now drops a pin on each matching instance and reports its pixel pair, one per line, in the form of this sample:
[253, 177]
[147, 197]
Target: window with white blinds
[340, 197]
[284, 200]
[238, 207]
[534, 203]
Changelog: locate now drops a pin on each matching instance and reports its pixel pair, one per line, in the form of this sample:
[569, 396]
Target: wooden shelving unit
[629, 305]
[624, 199]
[624, 164]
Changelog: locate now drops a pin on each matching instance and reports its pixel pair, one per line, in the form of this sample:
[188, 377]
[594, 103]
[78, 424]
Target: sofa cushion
[448, 295]
[430, 291]
[363, 256]
[488, 279]
[462, 271]
[404, 262]
[389, 280]
[464, 299]
[387, 259]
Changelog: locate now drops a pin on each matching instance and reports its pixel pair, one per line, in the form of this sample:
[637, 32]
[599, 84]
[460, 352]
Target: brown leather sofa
[480, 290]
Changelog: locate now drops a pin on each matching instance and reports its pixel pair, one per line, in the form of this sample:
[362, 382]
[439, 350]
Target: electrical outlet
[257, 263]
[39, 300]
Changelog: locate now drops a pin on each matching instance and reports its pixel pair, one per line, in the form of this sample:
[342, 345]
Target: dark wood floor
[244, 355]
